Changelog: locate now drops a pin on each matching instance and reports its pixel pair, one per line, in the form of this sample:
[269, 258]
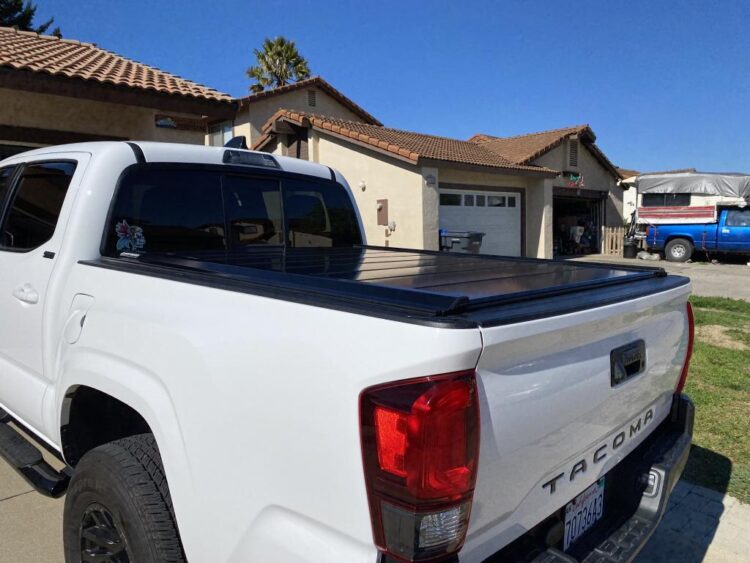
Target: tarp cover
[726, 185]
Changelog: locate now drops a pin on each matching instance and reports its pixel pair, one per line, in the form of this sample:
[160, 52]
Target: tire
[678, 250]
[118, 506]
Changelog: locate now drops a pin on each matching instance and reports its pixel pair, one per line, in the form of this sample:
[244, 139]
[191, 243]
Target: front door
[30, 238]
[734, 233]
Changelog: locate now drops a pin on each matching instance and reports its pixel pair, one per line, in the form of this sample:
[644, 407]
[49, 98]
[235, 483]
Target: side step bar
[26, 458]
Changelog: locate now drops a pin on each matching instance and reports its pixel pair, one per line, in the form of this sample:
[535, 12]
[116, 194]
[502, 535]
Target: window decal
[129, 237]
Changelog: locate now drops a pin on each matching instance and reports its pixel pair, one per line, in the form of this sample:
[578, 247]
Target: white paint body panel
[253, 401]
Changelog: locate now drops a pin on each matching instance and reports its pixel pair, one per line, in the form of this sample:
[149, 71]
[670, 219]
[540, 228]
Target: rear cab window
[184, 210]
[33, 205]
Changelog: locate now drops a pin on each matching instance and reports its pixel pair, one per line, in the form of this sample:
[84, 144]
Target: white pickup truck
[229, 373]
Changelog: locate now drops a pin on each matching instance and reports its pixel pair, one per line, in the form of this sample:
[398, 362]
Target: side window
[5, 176]
[319, 215]
[35, 207]
[253, 207]
[738, 218]
[167, 211]
[665, 200]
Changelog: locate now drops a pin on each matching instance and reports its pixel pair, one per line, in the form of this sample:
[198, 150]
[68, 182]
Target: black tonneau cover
[421, 285]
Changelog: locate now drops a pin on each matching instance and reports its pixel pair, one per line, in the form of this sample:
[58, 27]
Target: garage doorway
[496, 213]
[577, 223]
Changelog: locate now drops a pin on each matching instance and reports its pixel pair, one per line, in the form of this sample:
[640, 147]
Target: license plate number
[583, 512]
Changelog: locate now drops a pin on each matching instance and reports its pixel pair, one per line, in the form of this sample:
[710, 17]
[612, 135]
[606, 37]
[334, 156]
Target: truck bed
[412, 285]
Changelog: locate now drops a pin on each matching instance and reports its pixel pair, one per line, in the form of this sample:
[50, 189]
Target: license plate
[583, 512]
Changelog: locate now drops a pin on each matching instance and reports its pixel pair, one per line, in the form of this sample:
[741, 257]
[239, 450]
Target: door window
[35, 208]
[738, 218]
[6, 174]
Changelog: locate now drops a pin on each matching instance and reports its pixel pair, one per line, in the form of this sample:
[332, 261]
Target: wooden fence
[613, 240]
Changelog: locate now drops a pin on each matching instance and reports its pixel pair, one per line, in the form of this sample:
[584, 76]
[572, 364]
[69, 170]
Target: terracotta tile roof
[25, 50]
[413, 147]
[318, 82]
[630, 173]
[524, 149]
[626, 173]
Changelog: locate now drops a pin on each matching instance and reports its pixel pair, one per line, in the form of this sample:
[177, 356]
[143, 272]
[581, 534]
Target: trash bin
[630, 248]
[461, 241]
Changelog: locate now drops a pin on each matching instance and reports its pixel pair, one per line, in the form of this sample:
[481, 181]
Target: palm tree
[279, 63]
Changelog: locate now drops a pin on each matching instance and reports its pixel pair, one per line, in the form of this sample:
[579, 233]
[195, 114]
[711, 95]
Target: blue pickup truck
[731, 233]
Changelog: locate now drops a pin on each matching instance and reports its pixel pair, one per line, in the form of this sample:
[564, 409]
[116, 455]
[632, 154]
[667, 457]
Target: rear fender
[142, 391]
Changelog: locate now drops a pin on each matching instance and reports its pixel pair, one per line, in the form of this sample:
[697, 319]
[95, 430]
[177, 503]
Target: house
[410, 185]
[629, 194]
[585, 195]
[540, 195]
[312, 95]
[55, 91]
[530, 195]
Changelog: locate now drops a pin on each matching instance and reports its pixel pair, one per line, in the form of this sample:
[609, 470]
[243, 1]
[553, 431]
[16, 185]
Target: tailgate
[552, 422]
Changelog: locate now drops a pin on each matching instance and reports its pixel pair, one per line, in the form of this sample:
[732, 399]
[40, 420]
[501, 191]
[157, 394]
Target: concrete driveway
[30, 524]
[709, 280]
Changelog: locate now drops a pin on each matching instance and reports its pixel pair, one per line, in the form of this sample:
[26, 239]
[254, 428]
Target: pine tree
[16, 13]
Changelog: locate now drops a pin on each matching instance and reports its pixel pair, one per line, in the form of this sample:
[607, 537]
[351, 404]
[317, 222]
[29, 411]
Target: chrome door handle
[26, 294]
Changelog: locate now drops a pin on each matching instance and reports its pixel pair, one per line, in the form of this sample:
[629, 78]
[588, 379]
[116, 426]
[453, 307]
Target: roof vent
[573, 153]
[311, 98]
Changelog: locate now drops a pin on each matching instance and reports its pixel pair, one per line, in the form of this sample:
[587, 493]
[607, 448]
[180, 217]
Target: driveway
[709, 280]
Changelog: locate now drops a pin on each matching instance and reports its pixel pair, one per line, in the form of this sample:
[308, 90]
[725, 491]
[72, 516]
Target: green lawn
[719, 384]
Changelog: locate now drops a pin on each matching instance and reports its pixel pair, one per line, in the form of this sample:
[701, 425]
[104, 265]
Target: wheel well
[92, 418]
[683, 237]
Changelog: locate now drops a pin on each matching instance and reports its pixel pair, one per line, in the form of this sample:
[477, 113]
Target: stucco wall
[251, 118]
[61, 113]
[384, 178]
[595, 176]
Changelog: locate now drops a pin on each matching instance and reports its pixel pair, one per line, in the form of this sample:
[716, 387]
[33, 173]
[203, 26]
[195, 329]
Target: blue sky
[664, 84]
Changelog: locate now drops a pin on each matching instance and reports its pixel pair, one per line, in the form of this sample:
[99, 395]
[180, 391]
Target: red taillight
[420, 445]
[689, 354]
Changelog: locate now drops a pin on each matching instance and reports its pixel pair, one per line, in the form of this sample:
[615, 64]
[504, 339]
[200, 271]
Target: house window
[496, 201]
[311, 98]
[450, 199]
[511, 201]
[219, 134]
[469, 200]
[573, 154]
[665, 200]
[481, 200]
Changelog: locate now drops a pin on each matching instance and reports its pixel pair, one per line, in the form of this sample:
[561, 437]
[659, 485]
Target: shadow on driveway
[689, 527]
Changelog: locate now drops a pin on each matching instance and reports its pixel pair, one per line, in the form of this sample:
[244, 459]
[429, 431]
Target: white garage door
[497, 214]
